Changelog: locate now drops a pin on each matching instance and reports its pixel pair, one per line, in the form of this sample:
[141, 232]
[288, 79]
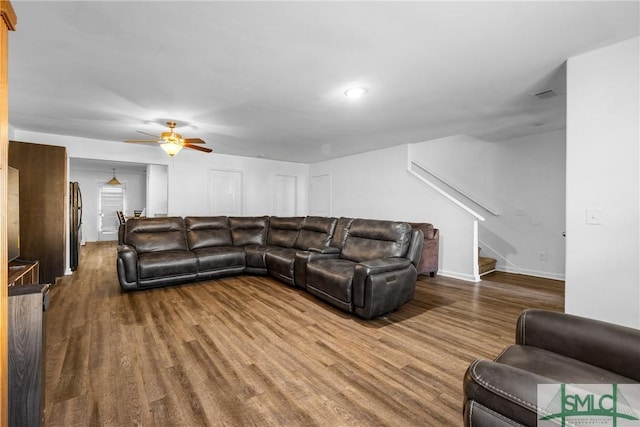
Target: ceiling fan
[172, 142]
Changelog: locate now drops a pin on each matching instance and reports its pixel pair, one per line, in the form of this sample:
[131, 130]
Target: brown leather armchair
[430, 248]
[550, 348]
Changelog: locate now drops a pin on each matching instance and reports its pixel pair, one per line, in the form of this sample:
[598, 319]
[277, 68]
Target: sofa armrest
[415, 248]
[376, 266]
[127, 266]
[326, 250]
[365, 269]
[612, 347]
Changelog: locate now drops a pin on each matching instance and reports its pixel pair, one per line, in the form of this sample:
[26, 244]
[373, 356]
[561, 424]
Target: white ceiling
[267, 78]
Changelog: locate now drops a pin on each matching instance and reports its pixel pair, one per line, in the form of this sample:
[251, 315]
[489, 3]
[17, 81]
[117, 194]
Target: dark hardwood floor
[252, 351]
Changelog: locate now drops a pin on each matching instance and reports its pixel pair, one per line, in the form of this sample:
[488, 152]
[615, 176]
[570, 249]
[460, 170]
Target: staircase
[485, 265]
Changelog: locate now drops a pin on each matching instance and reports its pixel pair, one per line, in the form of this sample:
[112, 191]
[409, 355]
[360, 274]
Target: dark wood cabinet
[27, 305]
[43, 186]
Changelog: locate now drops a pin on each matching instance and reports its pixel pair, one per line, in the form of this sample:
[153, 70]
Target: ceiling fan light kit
[171, 148]
[172, 142]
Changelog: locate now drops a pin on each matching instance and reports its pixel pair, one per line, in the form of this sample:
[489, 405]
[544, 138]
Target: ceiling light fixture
[171, 147]
[356, 92]
[114, 180]
[173, 141]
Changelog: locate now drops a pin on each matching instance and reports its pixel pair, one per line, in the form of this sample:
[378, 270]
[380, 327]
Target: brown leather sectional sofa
[363, 266]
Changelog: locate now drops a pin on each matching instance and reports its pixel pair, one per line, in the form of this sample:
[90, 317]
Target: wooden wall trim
[8, 15]
[7, 24]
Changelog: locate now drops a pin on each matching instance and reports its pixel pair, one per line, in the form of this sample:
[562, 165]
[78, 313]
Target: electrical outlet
[594, 216]
[542, 256]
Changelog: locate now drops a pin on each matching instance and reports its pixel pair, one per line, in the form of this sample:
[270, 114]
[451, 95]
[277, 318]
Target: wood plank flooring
[249, 350]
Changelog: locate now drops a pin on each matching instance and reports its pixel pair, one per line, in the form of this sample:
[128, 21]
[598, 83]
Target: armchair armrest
[612, 347]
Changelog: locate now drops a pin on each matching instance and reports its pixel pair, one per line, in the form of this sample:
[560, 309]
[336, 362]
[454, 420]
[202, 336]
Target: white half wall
[522, 183]
[603, 184]
[376, 185]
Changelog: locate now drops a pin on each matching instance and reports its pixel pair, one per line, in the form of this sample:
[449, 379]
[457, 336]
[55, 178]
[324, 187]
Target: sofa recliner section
[372, 272]
[366, 267]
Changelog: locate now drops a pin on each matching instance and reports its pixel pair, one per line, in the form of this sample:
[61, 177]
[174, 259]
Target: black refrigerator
[75, 223]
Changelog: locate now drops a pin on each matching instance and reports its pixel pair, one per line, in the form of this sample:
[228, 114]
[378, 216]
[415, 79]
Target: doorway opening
[112, 199]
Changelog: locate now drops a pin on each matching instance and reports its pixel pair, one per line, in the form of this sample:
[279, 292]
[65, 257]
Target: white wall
[188, 172]
[523, 181]
[157, 190]
[377, 185]
[90, 182]
[603, 164]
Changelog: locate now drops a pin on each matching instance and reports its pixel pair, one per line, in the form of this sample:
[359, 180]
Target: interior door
[285, 195]
[112, 200]
[225, 192]
[320, 195]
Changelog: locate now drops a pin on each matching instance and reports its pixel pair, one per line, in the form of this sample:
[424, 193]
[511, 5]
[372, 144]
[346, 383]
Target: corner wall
[603, 184]
[377, 185]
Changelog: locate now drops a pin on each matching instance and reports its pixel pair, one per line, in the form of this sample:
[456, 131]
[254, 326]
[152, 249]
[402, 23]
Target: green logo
[590, 405]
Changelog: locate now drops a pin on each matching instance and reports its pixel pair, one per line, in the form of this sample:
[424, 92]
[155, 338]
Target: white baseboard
[459, 276]
[535, 273]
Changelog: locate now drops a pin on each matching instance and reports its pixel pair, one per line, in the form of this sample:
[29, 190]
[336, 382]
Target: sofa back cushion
[207, 231]
[374, 239]
[156, 234]
[341, 232]
[284, 231]
[248, 230]
[316, 232]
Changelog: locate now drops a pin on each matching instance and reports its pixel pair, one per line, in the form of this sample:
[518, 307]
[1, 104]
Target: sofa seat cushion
[280, 263]
[509, 386]
[219, 257]
[255, 256]
[166, 264]
[332, 280]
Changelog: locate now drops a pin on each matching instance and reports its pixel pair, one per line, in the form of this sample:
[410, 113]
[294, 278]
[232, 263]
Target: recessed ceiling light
[356, 92]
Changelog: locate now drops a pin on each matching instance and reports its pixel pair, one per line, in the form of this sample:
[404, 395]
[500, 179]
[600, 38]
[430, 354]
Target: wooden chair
[121, 217]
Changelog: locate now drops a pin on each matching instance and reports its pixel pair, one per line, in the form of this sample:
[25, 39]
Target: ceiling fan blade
[142, 140]
[199, 148]
[194, 141]
[145, 133]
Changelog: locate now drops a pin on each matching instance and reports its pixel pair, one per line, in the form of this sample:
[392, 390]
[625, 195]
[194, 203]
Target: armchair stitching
[498, 390]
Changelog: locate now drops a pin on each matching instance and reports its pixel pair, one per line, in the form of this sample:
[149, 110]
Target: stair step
[486, 265]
